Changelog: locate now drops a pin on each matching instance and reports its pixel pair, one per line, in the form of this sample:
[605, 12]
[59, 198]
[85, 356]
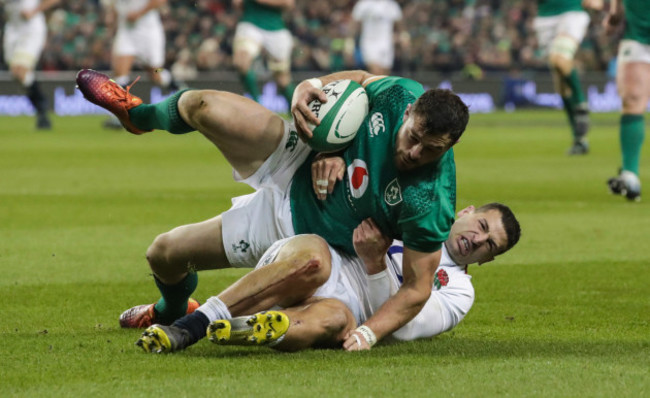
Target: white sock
[165, 77]
[215, 309]
[29, 78]
[122, 80]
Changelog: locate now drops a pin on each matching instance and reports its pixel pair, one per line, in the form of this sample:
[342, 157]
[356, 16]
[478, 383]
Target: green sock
[249, 80]
[577, 95]
[173, 303]
[632, 134]
[161, 116]
[569, 109]
[287, 93]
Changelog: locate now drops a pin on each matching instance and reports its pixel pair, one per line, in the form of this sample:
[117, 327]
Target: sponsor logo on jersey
[358, 178]
[393, 193]
[441, 279]
[376, 124]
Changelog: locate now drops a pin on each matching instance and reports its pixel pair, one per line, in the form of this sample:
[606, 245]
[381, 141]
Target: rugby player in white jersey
[139, 38]
[330, 293]
[25, 33]
[377, 20]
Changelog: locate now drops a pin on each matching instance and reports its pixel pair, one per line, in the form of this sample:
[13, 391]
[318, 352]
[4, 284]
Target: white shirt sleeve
[442, 312]
[448, 304]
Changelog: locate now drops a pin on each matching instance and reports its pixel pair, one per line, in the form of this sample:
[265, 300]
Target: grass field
[565, 314]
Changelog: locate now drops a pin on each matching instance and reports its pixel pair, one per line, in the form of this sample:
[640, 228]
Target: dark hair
[510, 223]
[442, 112]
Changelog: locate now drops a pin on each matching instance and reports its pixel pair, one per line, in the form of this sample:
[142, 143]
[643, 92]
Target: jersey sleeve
[442, 312]
[378, 86]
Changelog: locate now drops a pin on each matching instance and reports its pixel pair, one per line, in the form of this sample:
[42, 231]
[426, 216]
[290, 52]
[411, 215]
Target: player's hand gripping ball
[340, 117]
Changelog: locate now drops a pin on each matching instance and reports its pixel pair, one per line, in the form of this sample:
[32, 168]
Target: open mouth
[464, 245]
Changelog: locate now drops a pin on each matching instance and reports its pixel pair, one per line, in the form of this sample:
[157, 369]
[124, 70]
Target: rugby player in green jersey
[560, 26]
[261, 27]
[633, 81]
[399, 171]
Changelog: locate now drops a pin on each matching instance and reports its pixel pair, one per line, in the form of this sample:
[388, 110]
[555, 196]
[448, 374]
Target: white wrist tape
[315, 82]
[367, 334]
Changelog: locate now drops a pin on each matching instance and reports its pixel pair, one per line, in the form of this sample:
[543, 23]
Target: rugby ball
[340, 117]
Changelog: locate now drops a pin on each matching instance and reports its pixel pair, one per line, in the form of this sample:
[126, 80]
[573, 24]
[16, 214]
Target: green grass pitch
[565, 314]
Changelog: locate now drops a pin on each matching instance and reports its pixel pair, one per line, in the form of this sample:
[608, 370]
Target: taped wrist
[367, 334]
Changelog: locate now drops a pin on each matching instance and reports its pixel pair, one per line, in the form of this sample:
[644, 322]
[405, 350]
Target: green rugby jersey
[416, 206]
[637, 20]
[263, 16]
[549, 8]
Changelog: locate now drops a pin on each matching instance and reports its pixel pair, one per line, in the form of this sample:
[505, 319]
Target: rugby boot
[626, 184]
[143, 316]
[579, 147]
[159, 339]
[263, 328]
[99, 89]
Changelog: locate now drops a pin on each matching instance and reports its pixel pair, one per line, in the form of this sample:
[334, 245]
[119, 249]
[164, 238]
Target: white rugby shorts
[378, 53]
[573, 24]
[24, 42]
[257, 220]
[250, 38]
[338, 286]
[633, 51]
[146, 45]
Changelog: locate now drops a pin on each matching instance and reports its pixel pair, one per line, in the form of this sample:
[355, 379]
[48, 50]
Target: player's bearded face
[414, 147]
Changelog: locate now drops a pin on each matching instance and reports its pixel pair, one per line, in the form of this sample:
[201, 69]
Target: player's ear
[407, 112]
[469, 209]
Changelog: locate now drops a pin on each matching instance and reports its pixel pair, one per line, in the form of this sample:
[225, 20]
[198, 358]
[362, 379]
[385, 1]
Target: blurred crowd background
[473, 38]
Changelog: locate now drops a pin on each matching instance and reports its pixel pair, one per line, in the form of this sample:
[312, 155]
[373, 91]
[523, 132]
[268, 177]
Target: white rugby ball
[340, 117]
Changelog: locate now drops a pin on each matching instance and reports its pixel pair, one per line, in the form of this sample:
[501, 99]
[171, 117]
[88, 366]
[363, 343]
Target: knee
[312, 262]
[160, 253]
[561, 63]
[194, 105]
[633, 102]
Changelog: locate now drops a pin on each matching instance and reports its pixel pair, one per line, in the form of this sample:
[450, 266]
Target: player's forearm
[397, 311]
[358, 76]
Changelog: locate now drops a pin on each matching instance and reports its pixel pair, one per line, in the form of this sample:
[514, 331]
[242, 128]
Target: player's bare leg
[320, 323]
[567, 84]
[243, 57]
[188, 248]
[244, 131]
[25, 76]
[122, 64]
[302, 265]
[634, 88]
[317, 323]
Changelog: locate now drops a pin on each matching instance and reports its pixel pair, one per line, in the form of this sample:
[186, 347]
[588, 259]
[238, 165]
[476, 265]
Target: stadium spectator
[25, 33]
[376, 21]
[261, 27]
[633, 81]
[413, 157]
[331, 293]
